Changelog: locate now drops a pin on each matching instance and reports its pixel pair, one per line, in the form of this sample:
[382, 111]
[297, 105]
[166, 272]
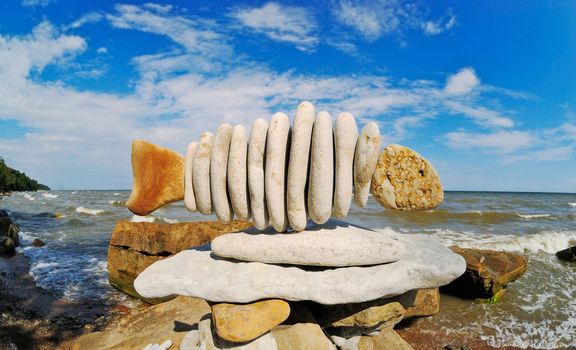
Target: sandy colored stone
[245, 322]
[237, 173]
[218, 173]
[420, 302]
[302, 336]
[487, 273]
[136, 245]
[256, 156]
[365, 159]
[189, 198]
[201, 172]
[200, 273]
[298, 165]
[321, 180]
[404, 180]
[325, 245]
[388, 339]
[152, 325]
[157, 177]
[345, 137]
[277, 144]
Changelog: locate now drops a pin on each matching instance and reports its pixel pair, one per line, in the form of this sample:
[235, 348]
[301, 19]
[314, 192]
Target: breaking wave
[89, 211]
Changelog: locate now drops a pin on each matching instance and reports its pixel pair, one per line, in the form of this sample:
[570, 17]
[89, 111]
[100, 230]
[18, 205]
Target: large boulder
[8, 228]
[487, 273]
[154, 324]
[136, 245]
[568, 254]
[7, 246]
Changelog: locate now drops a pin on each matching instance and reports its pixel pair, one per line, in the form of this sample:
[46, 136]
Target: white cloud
[39, 3]
[283, 23]
[441, 25]
[91, 17]
[462, 82]
[102, 50]
[500, 141]
[481, 115]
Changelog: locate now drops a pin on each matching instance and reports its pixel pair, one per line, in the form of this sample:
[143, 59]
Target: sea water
[538, 310]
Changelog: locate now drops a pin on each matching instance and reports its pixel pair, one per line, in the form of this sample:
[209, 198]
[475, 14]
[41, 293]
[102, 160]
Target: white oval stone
[427, 263]
[330, 245]
[218, 169]
[298, 165]
[365, 160]
[237, 173]
[321, 181]
[201, 173]
[345, 136]
[256, 154]
[275, 175]
[189, 199]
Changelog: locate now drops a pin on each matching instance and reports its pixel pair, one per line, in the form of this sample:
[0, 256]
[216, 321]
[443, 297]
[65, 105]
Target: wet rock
[487, 273]
[38, 243]
[568, 254]
[152, 325]
[136, 245]
[8, 228]
[7, 246]
[245, 322]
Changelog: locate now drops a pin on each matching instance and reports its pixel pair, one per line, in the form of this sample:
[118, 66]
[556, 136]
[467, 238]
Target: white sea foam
[29, 196]
[89, 211]
[148, 218]
[50, 195]
[533, 216]
[572, 204]
[117, 203]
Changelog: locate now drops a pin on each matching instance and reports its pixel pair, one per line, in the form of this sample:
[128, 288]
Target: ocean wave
[572, 204]
[29, 196]
[117, 203]
[547, 242]
[50, 195]
[157, 219]
[89, 211]
[533, 216]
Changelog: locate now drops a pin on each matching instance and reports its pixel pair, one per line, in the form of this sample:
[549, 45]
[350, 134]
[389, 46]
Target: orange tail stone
[158, 177]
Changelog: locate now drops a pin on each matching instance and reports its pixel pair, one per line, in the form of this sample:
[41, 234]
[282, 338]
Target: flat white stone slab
[426, 263]
[333, 244]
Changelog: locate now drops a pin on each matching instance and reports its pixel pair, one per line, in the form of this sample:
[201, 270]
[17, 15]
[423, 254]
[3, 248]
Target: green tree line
[13, 180]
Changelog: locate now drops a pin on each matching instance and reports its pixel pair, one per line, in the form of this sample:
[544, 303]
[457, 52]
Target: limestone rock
[256, 154]
[218, 173]
[321, 180]
[404, 180]
[237, 173]
[154, 189]
[302, 336]
[210, 277]
[189, 198]
[487, 273]
[365, 159]
[245, 322]
[568, 254]
[201, 171]
[419, 302]
[156, 324]
[332, 244]
[275, 175]
[345, 137]
[136, 245]
[298, 166]
[387, 340]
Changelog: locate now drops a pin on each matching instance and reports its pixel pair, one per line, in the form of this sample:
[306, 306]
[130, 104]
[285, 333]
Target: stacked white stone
[283, 175]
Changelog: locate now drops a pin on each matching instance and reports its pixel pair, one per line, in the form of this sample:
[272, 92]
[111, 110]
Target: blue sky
[484, 90]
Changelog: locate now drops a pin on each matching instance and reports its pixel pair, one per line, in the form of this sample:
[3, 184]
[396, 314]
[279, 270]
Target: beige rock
[404, 180]
[237, 173]
[298, 165]
[302, 336]
[155, 324]
[201, 171]
[189, 198]
[365, 159]
[275, 176]
[218, 172]
[421, 302]
[321, 180]
[387, 340]
[245, 322]
[345, 137]
[136, 245]
[157, 177]
[256, 154]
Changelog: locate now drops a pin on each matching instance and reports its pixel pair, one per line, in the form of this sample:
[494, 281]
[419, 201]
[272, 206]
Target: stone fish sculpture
[282, 175]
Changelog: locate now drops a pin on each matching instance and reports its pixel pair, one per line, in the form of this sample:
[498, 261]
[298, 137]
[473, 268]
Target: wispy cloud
[37, 3]
[481, 115]
[499, 141]
[440, 25]
[289, 24]
[462, 82]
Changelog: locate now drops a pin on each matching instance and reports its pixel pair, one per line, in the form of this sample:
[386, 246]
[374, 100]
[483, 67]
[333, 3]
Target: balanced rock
[321, 178]
[404, 180]
[388, 339]
[365, 160]
[255, 164]
[8, 228]
[245, 322]
[568, 254]
[201, 172]
[332, 244]
[487, 273]
[136, 245]
[429, 264]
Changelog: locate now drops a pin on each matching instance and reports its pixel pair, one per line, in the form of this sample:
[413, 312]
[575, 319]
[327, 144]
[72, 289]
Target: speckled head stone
[404, 180]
